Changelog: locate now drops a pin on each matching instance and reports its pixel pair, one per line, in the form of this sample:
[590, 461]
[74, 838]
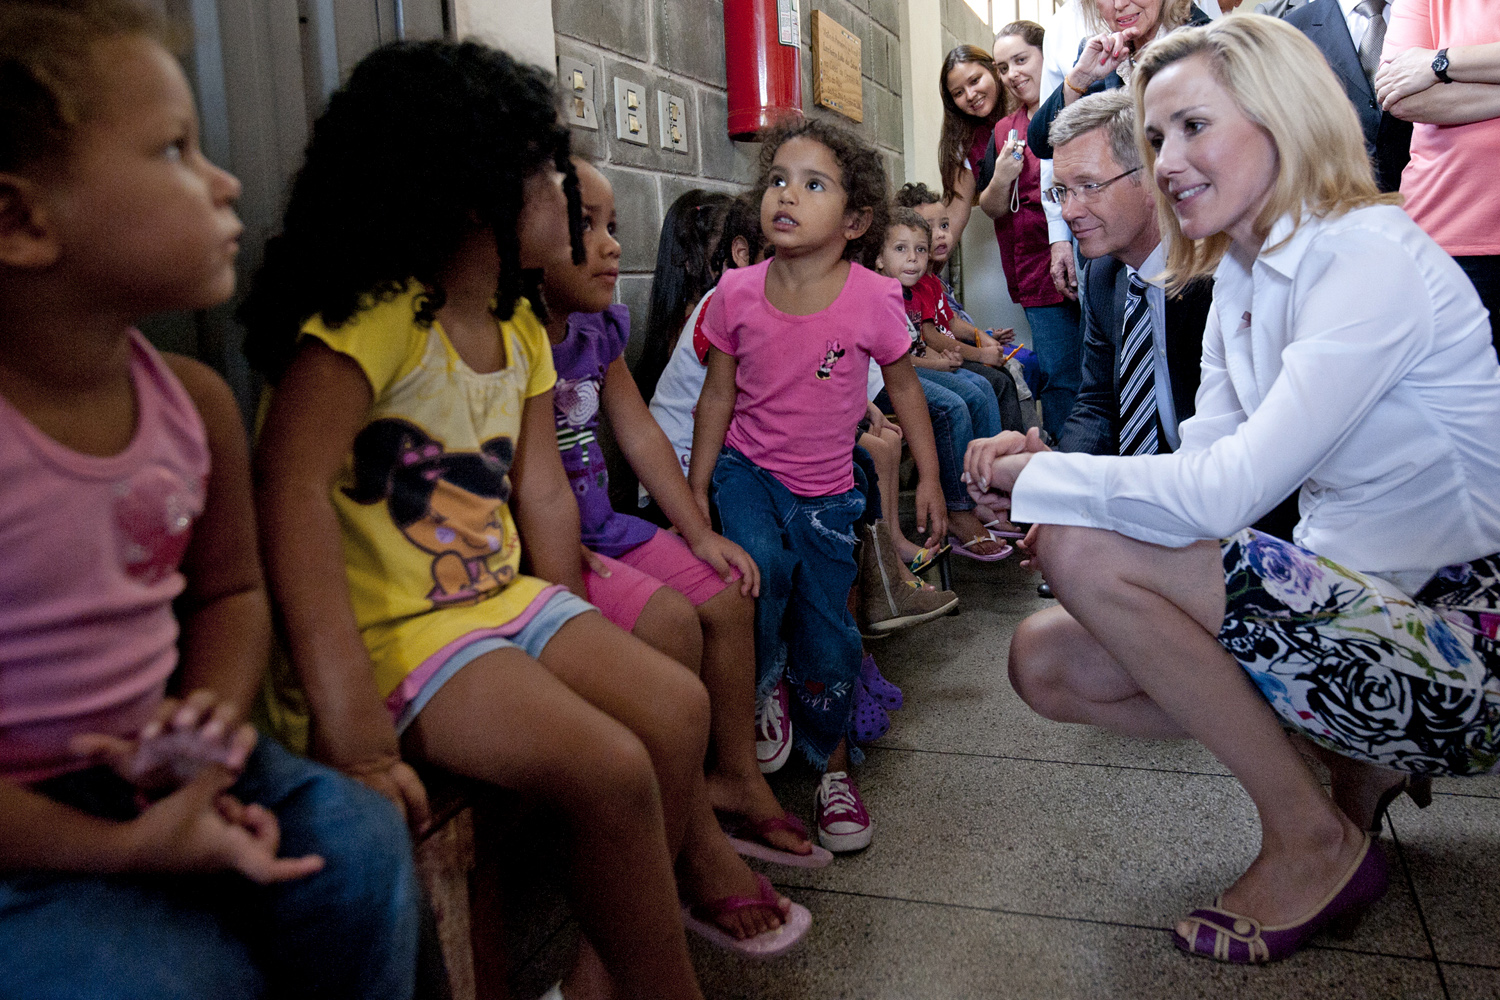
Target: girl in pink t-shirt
[791, 342]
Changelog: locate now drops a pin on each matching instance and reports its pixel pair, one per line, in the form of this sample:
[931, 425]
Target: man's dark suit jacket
[1094, 424]
[1387, 138]
[1041, 122]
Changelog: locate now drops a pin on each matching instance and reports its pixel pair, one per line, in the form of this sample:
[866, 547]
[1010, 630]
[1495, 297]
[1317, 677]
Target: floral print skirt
[1352, 662]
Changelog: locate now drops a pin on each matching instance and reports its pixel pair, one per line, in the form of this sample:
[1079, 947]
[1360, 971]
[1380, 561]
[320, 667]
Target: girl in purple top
[792, 340]
[671, 590]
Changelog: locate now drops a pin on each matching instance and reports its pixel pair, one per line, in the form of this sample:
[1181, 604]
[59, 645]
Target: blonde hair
[1281, 82]
[1174, 14]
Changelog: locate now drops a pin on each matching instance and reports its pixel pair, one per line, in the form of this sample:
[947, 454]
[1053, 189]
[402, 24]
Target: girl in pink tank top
[124, 482]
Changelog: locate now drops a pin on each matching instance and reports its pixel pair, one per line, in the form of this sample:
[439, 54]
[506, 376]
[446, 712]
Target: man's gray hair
[1113, 111]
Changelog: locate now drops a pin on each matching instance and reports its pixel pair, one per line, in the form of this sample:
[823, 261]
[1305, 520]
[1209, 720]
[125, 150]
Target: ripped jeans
[804, 547]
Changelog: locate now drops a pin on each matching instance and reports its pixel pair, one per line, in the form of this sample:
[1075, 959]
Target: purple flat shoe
[1230, 937]
[882, 690]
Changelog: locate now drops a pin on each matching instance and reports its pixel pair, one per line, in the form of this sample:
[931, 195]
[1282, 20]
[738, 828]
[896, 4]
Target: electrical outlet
[577, 81]
[671, 122]
[630, 112]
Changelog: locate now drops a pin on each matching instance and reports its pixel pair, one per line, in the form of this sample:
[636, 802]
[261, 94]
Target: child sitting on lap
[191, 860]
[959, 402]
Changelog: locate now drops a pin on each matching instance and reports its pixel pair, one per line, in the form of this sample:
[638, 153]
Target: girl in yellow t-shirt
[407, 460]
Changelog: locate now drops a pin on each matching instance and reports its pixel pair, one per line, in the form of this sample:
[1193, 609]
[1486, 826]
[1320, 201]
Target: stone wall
[678, 46]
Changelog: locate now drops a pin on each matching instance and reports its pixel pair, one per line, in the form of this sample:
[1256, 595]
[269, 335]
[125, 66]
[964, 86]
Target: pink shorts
[664, 560]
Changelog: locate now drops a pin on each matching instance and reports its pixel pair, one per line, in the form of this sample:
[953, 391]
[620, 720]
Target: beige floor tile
[865, 949]
[1073, 841]
[1454, 852]
[953, 672]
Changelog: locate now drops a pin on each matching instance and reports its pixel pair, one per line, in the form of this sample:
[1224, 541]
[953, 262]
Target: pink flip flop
[961, 548]
[749, 838]
[701, 919]
[997, 534]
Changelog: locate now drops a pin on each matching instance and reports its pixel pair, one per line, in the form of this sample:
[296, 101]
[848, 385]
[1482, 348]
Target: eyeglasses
[1059, 194]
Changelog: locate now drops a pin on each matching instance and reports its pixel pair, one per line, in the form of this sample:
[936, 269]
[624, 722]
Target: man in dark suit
[1131, 401]
[1331, 25]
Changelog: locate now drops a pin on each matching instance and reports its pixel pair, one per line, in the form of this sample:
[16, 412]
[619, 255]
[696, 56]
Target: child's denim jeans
[804, 547]
[349, 930]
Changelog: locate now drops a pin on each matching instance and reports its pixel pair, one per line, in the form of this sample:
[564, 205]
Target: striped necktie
[1137, 375]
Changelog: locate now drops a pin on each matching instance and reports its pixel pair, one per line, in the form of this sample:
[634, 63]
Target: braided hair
[426, 142]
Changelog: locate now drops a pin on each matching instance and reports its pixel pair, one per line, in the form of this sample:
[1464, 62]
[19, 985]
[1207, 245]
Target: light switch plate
[576, 78]
[630, 112]
[671, 122]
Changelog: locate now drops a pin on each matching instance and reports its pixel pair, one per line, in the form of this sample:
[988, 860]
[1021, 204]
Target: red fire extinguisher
[763, 60]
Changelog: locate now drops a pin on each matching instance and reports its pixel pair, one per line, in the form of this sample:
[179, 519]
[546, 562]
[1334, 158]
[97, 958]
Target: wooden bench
[462, 883]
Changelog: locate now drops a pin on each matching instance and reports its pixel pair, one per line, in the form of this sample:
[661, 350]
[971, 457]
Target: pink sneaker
[773, 730]
[843, 823]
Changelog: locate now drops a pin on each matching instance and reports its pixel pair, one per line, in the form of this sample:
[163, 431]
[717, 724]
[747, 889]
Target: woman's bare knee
[1035, 671]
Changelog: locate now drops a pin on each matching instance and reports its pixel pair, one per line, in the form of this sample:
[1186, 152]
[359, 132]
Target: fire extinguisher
[763, 60]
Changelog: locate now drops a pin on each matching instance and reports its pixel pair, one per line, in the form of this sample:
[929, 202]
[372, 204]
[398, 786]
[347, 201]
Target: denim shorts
[558, 608]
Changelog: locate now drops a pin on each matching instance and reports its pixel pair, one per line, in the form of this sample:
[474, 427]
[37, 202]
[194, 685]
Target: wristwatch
[1440, 66]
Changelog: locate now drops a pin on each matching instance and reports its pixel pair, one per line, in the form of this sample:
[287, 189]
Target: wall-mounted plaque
[836, 77]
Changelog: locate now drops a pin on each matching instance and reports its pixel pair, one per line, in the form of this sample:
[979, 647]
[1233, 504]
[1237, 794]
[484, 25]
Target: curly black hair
[915, 193]
[864, 180]
[426, 142]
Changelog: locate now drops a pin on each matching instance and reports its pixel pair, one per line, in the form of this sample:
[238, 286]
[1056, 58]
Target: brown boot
[887, 602]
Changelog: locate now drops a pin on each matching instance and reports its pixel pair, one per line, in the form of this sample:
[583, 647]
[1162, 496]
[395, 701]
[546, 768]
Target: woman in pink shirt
[1441, 71]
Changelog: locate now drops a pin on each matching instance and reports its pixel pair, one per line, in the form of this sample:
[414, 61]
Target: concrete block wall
[961, 25]
[678, 46]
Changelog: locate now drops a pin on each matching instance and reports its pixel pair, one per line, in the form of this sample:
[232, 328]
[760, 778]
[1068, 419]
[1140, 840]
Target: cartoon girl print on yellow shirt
[447, 504]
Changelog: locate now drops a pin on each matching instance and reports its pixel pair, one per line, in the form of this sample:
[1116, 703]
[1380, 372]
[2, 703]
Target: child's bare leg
[669, 624]
[839, 759]
[885, 451]
[667, 709]
[506, 719]
[735, 784]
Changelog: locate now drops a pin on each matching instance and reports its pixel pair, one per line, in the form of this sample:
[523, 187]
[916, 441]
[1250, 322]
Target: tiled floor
[1015, 857]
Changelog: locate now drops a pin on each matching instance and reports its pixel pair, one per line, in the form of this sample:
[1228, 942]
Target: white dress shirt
[1354, 360]
[1156, 301]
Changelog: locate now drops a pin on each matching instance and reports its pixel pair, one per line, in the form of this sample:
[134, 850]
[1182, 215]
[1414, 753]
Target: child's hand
[880, 423]
[720, 553]
[592, 563]
[201, 828]
[1005, 336]
[991, 356]
[932, 512]
[398, 781]
[181, 739]
[946, 361]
